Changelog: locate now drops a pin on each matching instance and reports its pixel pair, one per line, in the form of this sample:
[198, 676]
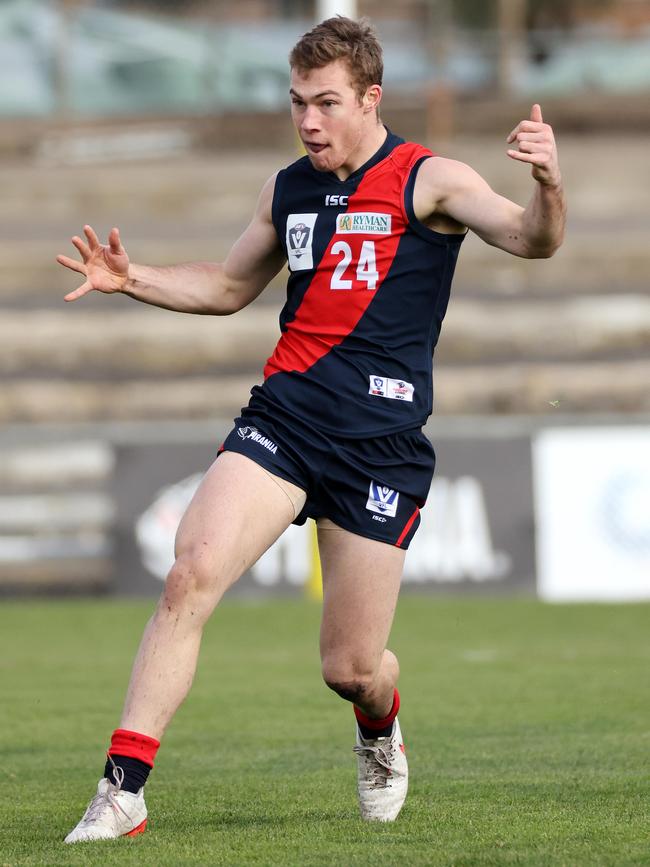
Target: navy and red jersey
[367, 292]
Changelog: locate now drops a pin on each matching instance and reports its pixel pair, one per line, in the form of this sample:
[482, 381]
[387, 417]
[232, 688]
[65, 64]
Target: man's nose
[311, 118]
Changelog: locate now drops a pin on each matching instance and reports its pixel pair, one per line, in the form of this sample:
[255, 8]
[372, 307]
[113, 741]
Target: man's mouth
[314, 147]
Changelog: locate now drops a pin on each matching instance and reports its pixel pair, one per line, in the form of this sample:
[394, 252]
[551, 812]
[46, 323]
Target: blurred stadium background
[165, 118]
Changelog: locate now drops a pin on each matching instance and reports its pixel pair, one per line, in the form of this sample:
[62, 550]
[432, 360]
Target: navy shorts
[373, 487]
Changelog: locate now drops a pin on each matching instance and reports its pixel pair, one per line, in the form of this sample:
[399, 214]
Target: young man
[371, 227]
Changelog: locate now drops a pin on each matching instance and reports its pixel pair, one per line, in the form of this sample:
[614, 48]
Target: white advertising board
[592, 505]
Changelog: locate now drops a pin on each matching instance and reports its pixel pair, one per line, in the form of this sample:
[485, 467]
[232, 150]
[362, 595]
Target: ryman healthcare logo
[383, 500]
[362, 223]
[252, 433]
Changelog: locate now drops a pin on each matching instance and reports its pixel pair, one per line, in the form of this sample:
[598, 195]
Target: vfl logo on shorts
[394, 389]
[252, 433]
[382, 500]
[300, 236]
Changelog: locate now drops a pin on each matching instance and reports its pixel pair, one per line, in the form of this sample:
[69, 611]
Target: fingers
[529, 142]
[539, 159]
[93, 240]
[529, 147]
[526, 126]
[87, 249]
[83, 248]
[78, 293]
[532, 142]
[73, 264]
[532, 136]
[114, 241]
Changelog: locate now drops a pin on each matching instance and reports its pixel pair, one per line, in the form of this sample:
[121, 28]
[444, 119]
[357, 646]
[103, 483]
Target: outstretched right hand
[105, 267]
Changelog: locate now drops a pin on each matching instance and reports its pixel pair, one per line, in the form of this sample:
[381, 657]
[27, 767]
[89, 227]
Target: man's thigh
[237, 512]
[361, 580]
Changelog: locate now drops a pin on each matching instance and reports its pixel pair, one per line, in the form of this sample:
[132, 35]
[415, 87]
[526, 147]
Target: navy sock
[135, 772]
[370, 734]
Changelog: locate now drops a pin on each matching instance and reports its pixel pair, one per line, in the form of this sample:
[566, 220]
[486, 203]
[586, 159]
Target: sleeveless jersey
[367, 292]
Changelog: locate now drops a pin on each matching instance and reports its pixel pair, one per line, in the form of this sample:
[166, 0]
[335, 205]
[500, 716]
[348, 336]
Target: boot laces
[378, 762]
[100, 802]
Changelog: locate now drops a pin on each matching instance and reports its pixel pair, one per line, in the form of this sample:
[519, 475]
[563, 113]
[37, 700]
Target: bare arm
[196, 287]
[455, 190]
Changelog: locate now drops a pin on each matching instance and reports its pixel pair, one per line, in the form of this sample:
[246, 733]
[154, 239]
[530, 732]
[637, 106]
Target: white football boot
[111, 813]
[383, 775]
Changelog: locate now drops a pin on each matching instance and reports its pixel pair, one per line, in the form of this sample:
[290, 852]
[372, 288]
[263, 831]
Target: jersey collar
[389, 144]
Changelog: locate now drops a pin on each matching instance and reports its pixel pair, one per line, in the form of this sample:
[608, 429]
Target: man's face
[330, 118]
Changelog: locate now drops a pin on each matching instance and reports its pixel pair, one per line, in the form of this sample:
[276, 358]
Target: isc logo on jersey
[382, 500]
[299, 238]
[363, 223]
[336, 200]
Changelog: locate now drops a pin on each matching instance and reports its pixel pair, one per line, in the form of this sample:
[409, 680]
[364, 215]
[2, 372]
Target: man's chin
[319, 166]
[320, 162]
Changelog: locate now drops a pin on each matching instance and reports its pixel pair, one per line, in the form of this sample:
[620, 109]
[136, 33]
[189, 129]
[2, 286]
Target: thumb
[78, 293]
[536, 113]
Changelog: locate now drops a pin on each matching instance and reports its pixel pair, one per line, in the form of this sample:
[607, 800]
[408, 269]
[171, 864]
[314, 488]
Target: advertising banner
[592, 499]
[477, 529]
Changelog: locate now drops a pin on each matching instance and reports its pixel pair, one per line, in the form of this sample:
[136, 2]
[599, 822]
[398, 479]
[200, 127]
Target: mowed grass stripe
[526, 725]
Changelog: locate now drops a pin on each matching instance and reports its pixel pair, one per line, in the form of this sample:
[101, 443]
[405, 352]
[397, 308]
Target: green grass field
[526, 725]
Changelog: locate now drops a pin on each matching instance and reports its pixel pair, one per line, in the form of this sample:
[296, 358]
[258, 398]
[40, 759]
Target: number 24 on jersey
[366, 266]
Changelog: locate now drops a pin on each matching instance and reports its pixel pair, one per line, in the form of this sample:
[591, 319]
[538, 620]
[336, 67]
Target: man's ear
[372, 98]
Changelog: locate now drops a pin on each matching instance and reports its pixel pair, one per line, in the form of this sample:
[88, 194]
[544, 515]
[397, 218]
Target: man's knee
[351, 681]
[192, 581]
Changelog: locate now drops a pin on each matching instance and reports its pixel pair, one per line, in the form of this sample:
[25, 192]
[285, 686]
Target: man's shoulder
[439, 179]
[407, 152]
[444, 170]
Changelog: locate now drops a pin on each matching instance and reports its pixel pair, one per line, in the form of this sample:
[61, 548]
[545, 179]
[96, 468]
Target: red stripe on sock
[134, 745]
[408, 526]
[376, 724]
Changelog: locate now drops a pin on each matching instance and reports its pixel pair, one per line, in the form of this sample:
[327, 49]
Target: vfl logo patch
[252, 433]
[300, 236]
[382, 500]
[393, 389]
[363, 223]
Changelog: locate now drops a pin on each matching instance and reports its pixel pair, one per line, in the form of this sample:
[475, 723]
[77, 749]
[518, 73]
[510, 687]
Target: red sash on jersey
[328, 314]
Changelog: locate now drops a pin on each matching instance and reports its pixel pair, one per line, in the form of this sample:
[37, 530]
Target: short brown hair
[339, 38]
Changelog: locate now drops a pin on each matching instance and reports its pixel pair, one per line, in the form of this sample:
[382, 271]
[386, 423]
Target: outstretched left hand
[536, 145]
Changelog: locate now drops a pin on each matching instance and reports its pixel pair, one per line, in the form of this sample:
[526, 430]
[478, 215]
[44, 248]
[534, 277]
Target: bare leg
[238, 511]
[361, 579]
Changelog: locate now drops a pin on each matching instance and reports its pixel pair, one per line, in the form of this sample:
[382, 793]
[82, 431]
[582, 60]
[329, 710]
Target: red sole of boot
[142, 827]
